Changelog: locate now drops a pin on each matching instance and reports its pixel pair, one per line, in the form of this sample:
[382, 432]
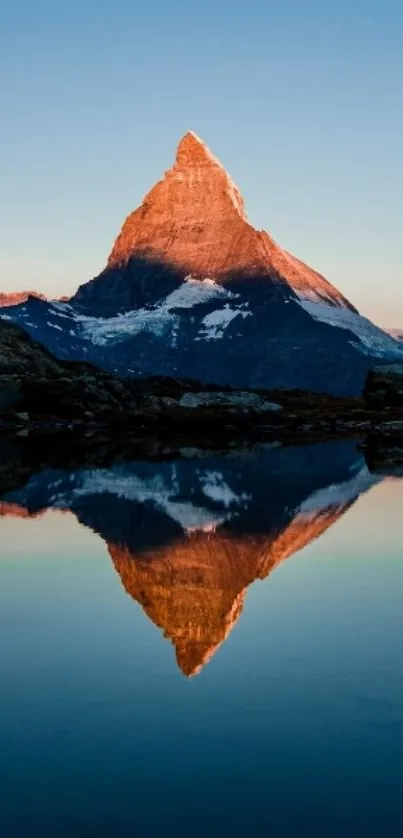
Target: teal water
[273, 705]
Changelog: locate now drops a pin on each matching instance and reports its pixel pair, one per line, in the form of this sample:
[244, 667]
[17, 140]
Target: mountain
[191, 289]
[34, 383]
[193, 222]
[188, 536]
[397, 334]
[17, 297]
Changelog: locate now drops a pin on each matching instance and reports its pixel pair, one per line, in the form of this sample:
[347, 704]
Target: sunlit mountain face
[188, 536]
[192, 290]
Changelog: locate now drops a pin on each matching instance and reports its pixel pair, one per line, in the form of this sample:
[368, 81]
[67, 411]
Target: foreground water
[165, 670]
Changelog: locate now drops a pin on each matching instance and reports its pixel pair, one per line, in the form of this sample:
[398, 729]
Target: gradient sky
[302, 101]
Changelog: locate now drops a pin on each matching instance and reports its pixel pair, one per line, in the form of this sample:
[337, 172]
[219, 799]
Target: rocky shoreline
[52, 402]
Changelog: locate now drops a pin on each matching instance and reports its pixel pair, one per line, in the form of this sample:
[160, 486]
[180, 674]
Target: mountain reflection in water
[188, 536]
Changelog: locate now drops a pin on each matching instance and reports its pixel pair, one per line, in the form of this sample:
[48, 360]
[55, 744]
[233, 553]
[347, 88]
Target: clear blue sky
[302, 101]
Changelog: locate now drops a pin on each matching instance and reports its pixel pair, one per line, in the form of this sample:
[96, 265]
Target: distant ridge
[16, 297]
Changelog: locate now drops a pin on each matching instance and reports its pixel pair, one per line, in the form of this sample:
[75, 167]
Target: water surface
[207, 645]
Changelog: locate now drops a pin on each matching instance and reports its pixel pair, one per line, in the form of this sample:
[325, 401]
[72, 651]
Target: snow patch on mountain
[158, 319]
[195, 291]
[371, 339]
[215, 323]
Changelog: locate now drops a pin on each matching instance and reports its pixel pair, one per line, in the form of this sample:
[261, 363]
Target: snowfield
[214, 324]
[371, 339]
[163, 318]
[198, 314]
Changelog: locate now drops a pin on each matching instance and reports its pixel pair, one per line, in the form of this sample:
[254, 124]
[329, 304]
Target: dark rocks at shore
[384, 455]
[383, 392]
[39, 391]
[34, 384]
[40, 394]
[384, 386]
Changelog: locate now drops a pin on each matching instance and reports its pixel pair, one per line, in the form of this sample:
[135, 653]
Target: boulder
[239, 402]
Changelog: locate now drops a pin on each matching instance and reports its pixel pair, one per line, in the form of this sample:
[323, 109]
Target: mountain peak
[194, 154]
[193, 222]
[193, 151]
[193, 219]
[190, 147]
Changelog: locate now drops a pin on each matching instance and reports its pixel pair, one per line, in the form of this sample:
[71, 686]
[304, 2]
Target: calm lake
[209, 645]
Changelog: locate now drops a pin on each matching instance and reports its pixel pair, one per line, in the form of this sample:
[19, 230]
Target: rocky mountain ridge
[194, 222]
[14, 298]
[192, 290]
[397, 334]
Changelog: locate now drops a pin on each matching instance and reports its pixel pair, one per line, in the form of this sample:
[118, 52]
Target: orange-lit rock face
[14, 299]
[194, 220]
[194, 590]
